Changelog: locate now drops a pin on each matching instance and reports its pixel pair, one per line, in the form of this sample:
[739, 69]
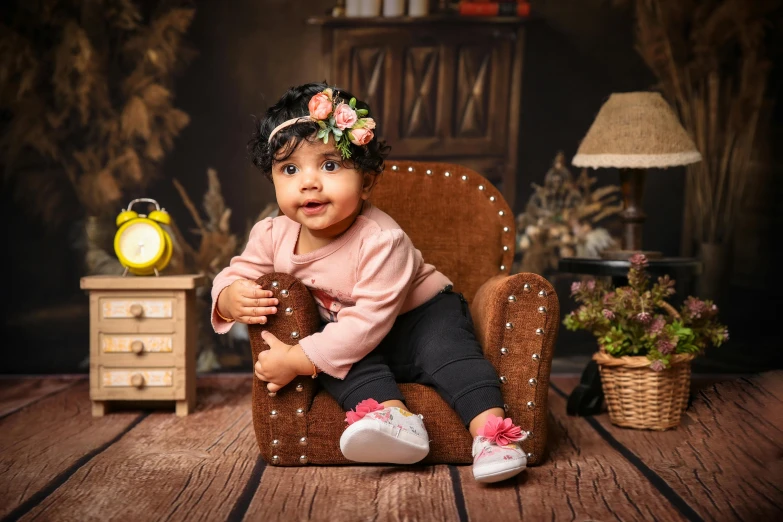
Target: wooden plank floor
[57, 462]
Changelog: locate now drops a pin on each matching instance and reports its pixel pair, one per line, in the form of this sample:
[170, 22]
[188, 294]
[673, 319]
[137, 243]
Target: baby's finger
[250, 302]
[272, 387]
[249, 318]
[256, 292]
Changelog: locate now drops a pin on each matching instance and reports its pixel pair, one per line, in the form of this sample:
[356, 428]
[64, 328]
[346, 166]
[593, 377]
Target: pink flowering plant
[343, 120]
[637, 320]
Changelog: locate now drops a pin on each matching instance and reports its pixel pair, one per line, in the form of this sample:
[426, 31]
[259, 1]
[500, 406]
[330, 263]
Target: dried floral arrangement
[217, 245]
[637, 320]
[561, 219]
[710, 59]
[87, 87]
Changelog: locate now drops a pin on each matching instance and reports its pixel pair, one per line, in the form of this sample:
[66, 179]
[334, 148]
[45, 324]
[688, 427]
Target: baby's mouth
[313, 204]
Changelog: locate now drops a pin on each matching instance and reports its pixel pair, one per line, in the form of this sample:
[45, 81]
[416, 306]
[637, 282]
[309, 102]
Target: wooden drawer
[136, 307]
[119, 343]
[130, 383]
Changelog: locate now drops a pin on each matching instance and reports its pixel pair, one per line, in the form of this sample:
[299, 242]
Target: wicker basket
[639, 397]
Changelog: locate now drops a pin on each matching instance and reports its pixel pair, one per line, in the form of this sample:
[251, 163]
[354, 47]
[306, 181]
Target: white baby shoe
[496, 452]
[384, 435]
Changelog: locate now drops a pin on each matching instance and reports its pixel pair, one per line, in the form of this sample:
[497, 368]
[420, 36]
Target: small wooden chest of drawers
[143, 339]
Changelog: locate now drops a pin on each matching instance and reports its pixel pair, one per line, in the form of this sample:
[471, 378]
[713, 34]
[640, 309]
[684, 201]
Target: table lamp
[632, 132]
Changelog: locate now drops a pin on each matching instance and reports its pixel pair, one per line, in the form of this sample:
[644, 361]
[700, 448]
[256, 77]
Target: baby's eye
[290, 169]
[331, 166]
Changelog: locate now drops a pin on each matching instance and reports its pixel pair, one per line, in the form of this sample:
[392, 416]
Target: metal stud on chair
[300, 412]
[539, 331]
[504, 351]
[506, 229]
[295, 335]
[410, 169]
[542, 293]
[303, 459]
[503, 379]
[526, 287]
[275, 284]
[501, 213]
[275, 443]
[505, 408]
[492, 198]
[505, 248]
[395, 167]
[529, 434]
[447, 174]
[272, 394]
[502, 267]
[536, 357]
[512, 298]
[275, 459]
[289, 311]
[464, 178]
[284, 293]
[299, 387]
[530, 457]
[421, 416]
[542, 309]
[531, 405]
[481, 187]
[509, 326]
[273, 414]
[532, 381]
[429, 172]
[303, 441]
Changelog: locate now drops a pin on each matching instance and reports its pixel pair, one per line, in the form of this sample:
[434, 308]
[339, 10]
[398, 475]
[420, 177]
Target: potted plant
[645, 345]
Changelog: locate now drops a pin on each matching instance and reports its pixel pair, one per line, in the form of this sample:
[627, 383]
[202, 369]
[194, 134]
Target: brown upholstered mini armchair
[464, 227]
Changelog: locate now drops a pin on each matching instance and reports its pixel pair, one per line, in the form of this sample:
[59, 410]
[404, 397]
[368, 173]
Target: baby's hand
[246, 302]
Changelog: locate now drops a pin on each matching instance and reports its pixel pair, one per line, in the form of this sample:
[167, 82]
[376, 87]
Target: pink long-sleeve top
[361, 282]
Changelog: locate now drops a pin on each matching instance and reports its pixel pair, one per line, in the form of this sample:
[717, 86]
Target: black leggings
[433, 344]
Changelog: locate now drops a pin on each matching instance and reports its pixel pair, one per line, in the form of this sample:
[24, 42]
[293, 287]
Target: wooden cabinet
[441, 88]
[143, 339]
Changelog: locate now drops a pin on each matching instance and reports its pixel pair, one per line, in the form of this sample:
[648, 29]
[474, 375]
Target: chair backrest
[458, 220]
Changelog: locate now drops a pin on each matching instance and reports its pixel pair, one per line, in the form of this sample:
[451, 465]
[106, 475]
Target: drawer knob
[137, 380]
[136, 310]
[137, 347]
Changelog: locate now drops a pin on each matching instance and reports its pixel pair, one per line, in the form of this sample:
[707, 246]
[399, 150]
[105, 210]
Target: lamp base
[625, 255]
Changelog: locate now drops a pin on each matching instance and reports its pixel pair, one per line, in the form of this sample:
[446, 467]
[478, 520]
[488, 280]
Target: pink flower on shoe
[501, 431]
[362, 409]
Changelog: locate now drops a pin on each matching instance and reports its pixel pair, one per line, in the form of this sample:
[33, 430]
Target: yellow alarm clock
[142, 245]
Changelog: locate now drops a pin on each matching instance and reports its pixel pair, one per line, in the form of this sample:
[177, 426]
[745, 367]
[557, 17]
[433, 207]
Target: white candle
[371, 7]
[393, 7]
[418, 7]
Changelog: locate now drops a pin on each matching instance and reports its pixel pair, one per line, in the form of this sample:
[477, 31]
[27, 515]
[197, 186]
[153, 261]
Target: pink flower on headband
[361, 136]
[362, 409]
[344, 116]
[501, 431]
[320, 106]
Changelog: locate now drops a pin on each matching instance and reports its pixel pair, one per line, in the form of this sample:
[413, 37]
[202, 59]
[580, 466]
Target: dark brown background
[251, 51]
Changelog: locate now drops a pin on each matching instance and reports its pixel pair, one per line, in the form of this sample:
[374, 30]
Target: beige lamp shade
[636, 130]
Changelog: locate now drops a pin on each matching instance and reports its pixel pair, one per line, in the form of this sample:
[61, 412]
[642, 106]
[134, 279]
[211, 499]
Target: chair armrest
[280, 419]
[517, 319]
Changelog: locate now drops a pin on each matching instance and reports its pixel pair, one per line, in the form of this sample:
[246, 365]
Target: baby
[389, 316]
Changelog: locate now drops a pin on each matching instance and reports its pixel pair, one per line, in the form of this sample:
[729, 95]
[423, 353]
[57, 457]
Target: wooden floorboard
[57, 462]
[726, 457]
[355, 493]
[177, 468]
[43, 442]
[18, 392]
[583, 479]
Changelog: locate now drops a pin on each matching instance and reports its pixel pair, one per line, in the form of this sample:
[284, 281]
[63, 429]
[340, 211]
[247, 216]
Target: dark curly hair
[368, 158]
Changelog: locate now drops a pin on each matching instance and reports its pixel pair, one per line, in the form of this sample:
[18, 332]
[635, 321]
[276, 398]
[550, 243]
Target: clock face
[141, 243]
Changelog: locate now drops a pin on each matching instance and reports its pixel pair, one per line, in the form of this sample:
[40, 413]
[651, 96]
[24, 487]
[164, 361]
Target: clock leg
[98, 408]
[183, 407]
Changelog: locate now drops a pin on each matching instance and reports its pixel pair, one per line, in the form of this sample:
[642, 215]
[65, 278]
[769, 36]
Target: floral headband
[342, 119]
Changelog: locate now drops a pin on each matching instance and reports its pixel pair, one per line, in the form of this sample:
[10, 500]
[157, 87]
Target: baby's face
[315, 189]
